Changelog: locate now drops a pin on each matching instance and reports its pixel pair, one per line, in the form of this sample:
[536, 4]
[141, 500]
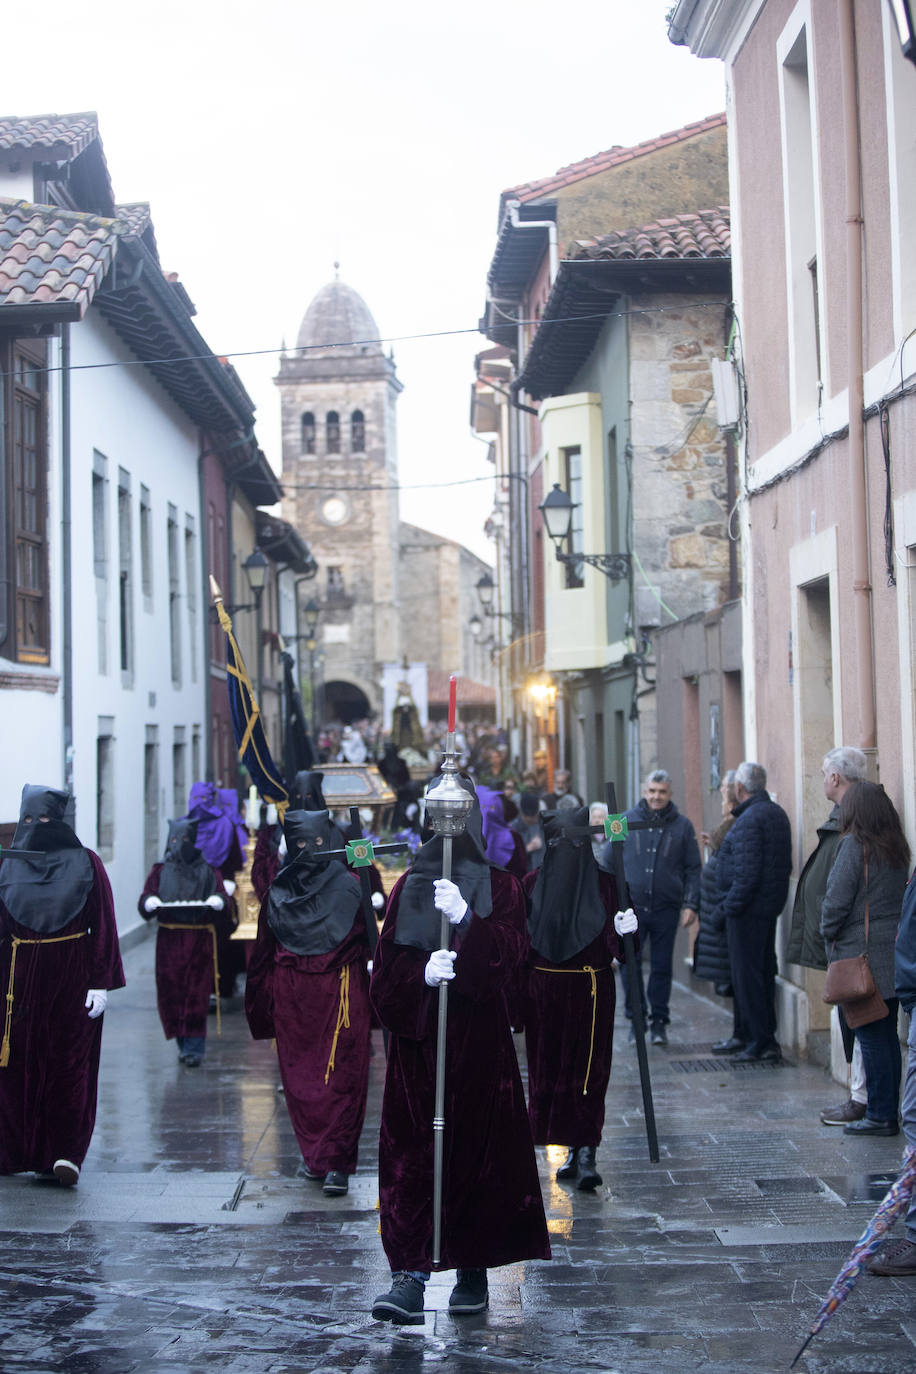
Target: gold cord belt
[190, 925]
[8, 1022]
[343, 1017]
[587, 968]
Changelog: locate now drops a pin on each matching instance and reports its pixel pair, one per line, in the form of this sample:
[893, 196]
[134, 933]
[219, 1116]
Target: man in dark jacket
[898, 1259]
[662, 866]
[755, 863]
[841, 768]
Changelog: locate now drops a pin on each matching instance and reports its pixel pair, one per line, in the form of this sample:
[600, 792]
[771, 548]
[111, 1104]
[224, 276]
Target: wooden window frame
[17, 356]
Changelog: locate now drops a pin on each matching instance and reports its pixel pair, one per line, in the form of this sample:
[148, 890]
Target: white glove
[282, 850]
[378, 900]
[449, 900]
[625, 922]
[96, 1001]
[152, 904]
[369, 967]
[439, 967]
[411, 811]
[216, 901]
[229, 885]
[271, 817]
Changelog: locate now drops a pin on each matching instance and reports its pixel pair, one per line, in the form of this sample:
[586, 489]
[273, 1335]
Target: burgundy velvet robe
[297, 998]
[518, 863]
[184, 961]
[492, 1208]
[565, 1055]
[265, 863]
[48, 1090]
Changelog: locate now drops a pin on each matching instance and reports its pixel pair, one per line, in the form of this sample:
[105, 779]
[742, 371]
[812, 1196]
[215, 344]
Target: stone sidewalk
[192, 1245]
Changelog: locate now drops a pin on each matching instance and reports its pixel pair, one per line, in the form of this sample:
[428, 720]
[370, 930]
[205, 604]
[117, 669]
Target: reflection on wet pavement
[192, 1245]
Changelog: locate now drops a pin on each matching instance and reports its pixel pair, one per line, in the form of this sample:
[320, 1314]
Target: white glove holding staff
[449, 900]
[96, 1001]
[625, 922]
[439, 967]
[152, 903]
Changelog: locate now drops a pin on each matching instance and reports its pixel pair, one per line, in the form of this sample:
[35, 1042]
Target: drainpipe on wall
[858, 490]
[206, 731]
[66, 544]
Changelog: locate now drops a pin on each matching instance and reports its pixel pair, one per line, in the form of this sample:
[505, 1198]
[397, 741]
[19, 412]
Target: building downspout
[66, 544]
[206, 731]
[858, 486]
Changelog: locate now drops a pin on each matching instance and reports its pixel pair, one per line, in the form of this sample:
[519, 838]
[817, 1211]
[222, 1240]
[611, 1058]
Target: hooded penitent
[418, 920]
[186, 876]
[567, 912]
[215, 831]
[496, 833]
[312, 901]
[45, 893]
[305, 793]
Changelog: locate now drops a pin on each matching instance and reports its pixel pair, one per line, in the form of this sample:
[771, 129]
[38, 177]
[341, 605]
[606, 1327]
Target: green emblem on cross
[360, 853]
[615, 827]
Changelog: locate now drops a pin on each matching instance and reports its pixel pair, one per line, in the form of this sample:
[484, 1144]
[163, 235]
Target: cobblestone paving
[192, 1245]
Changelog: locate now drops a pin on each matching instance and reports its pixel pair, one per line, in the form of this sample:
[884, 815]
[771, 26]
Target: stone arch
[346, 701]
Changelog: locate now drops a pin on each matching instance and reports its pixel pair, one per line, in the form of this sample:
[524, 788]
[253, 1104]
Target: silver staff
[448, 806]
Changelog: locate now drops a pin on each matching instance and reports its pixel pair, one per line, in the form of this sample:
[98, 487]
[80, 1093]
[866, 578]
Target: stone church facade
[338, 397]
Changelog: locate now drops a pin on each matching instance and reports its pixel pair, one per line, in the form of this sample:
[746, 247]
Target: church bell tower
[338, 396]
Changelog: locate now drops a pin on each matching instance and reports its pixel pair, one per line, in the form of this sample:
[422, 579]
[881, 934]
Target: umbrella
[895, 1200]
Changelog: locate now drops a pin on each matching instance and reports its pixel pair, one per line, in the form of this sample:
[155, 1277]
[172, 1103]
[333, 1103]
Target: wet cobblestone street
[192, 1245]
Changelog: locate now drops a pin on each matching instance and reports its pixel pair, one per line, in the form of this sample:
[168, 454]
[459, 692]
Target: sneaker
[659, 1034]
[335, 1184]
[470, 1294]
[897, 1259]
[66, 1173]
[402, 1304]
[869, 1127]
[843, 1114]
[190, 1061]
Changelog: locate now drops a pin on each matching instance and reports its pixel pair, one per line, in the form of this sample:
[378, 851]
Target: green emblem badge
[360, 853]
[615, 827]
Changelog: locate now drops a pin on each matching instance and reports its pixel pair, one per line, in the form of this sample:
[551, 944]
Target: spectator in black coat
[755, 862]
[662, 866]
[710, 952]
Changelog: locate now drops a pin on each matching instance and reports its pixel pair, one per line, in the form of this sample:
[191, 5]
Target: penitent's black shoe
[568, 1170]
[588, 1177]
[402, 1304]
[868, 1126]
[335, 1184]
[306, 1171]
[772, 1054]
[470, 1294]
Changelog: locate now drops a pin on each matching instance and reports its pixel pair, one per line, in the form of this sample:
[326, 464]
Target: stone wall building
[387, 590]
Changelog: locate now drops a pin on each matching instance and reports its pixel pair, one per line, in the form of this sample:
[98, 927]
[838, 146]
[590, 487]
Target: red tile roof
[703, 235]
[53, 256]
[611, 157]
[71, 133]
[470, 693]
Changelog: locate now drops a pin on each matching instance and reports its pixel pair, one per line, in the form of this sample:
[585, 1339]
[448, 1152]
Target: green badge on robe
[360, 853]
[615, 827]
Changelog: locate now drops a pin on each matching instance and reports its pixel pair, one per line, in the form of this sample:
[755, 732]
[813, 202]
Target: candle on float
[252, 817]
[452, 698]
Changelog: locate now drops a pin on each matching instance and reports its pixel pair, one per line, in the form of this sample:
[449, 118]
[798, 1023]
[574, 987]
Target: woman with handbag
[859, 919]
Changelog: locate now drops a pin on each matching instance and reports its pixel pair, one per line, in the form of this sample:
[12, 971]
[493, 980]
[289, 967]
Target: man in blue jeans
[662, 866]
[898, 1258]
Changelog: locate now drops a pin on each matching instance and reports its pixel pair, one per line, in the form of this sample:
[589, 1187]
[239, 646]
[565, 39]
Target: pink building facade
[822, 164]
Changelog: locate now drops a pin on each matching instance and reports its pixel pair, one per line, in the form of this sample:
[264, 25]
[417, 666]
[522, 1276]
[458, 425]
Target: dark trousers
[881, 1057]
[752, 956]
[658, 929]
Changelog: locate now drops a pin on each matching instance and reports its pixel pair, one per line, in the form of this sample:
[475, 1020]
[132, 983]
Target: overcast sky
[272, 139]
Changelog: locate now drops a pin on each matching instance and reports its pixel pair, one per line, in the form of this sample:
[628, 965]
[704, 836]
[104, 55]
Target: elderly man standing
[662, 867]
[755, 863]
[841, 768]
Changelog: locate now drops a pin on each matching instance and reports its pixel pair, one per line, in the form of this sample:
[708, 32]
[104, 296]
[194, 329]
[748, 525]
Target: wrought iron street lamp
[311, 612]
[557, 510]
[256, 565]
[486, 589]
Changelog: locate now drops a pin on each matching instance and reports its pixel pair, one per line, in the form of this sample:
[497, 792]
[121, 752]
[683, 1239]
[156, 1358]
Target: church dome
[339, 315]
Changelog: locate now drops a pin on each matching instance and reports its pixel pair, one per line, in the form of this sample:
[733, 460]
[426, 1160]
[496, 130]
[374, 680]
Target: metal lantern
[448, 804]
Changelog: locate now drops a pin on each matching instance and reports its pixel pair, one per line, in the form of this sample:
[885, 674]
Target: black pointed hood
[44, 894]
[312, 901]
